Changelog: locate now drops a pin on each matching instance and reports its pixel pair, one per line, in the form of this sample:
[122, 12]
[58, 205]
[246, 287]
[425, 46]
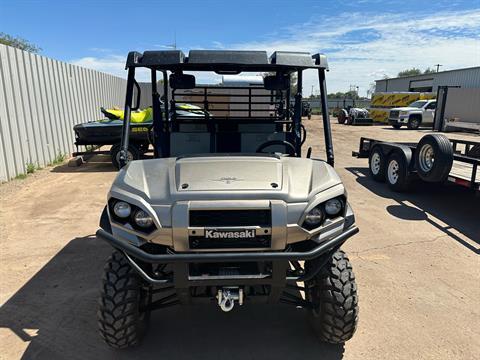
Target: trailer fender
[403, 150]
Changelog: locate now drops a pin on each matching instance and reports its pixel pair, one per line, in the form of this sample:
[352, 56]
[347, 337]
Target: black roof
[226, 60]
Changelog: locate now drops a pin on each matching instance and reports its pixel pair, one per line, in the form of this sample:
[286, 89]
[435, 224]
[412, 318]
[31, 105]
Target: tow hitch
[227, 296]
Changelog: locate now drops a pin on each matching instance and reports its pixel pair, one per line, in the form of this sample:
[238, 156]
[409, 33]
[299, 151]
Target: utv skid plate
[279, 279]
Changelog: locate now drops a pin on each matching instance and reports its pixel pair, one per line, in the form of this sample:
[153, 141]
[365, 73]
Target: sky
[364, 40]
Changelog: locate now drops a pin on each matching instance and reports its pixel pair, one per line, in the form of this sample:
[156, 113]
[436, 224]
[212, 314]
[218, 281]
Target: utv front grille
[202, 243]
[230, 229]
[226, 218]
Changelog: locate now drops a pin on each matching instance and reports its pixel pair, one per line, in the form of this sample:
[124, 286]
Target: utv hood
[212, 177]
[232, 174]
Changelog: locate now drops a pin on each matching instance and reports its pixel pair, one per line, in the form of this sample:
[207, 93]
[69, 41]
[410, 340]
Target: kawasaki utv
[228, 213]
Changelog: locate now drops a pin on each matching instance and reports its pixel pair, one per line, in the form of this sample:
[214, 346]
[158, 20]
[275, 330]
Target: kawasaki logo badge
[215, 234]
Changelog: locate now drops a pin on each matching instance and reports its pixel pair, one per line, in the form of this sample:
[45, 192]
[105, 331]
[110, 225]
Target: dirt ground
[416, 260]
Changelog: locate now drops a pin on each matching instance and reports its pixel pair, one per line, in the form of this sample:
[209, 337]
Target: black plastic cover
[231, 61]
[227, 57]
[289, 58]
[155, 58]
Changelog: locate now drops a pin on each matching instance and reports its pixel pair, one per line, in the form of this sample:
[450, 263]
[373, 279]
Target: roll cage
[230, 111]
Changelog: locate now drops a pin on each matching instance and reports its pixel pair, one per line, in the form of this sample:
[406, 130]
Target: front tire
[396, 126]
[342, 116]
[414, 122]
[122, 318]
[333, 293]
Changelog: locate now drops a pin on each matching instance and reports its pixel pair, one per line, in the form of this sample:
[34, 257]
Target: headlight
[333, 207]
[403, 112]
[122, 209]
[313, 219]
[142, 219]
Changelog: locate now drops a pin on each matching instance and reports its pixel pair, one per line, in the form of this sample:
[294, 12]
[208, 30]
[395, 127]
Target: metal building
[464, 78]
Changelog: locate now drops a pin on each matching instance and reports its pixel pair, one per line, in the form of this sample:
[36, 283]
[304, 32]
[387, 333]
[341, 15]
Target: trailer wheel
[132, 154]
[333, 293]
[414, 122]
[121, 320]
[434, 158]
[397, 172]
[397, 126]
[376, 164]
[342, 116]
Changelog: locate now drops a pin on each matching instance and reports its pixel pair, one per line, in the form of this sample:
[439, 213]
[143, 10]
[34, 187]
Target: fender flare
[105, 221]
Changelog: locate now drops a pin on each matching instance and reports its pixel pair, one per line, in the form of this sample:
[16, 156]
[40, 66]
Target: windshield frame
[163, 126]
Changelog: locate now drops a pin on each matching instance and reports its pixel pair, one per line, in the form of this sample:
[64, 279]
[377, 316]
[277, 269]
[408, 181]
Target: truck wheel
[132, 154]
[121, 320]
[333, 293]
[414, 122]
[397, 172]
[376, 164]
[397, 126]
[434, 158]
[342, 116]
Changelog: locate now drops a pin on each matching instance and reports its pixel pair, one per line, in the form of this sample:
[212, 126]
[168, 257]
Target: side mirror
[274, 82]
[182, 81]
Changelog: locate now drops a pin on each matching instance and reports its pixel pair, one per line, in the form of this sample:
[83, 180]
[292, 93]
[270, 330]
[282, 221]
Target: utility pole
[438, 66]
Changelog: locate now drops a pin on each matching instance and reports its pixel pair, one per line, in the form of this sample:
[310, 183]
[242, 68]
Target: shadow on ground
[60, 301]
[447, 207]
[96, 163]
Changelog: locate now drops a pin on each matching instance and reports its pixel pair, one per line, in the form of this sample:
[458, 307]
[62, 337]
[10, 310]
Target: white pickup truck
[420, 112]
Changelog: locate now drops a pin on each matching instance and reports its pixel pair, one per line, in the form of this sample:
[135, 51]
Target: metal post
[164, 131]
[165, 95]
[250, 102]
[297, 115]
[288, 102]
[126, 117]
[326, 118]
[157, 116]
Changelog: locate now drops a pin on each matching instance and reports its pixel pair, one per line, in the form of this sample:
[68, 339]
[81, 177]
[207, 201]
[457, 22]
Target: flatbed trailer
[435, 158]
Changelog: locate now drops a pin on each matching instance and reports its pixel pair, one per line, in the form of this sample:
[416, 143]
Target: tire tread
[338, 300]
[118, 314]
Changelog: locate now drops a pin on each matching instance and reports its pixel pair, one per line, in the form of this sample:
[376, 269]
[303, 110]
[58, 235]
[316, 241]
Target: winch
[227, 296]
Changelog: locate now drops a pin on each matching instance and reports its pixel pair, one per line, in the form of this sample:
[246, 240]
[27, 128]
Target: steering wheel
[288, 146]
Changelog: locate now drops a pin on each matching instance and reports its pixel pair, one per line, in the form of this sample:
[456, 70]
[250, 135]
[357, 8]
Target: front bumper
[180, 261]
[208, 257]
[280, 276]
[400, 120]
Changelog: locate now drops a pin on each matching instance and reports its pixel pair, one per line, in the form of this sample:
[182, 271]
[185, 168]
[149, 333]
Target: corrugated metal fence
[40, 101]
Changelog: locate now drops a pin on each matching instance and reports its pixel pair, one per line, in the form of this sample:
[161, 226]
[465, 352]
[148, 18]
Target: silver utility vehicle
[228, 212]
